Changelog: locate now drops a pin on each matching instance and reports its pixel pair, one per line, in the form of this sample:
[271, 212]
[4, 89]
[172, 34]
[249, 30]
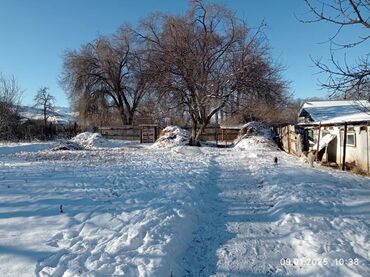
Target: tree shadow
[27, 253]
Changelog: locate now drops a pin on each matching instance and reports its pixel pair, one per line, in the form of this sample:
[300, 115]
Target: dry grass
[360, 171]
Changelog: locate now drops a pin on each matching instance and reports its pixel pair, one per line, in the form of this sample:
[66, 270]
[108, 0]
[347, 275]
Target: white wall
[359, 153]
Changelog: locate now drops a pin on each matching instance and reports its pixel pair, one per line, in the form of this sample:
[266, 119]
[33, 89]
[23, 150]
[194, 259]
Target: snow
[185, 211]
[86, 140]
[12, 148]
[93, 140]
[172, 136]
[255, 135]
[331, 112]
[324, 141]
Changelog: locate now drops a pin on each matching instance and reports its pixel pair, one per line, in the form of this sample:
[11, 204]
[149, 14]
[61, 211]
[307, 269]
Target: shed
[338, 131]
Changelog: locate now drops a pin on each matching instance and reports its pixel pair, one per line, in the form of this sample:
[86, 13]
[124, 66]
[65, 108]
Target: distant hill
[62, 115]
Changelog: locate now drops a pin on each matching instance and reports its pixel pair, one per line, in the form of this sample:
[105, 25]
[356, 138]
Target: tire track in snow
[201, 257]
[242, 192]
[230, 202]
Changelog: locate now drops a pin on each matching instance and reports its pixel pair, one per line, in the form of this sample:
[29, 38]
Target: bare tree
[45, 101]
[10, 91]
[110, 68]
[347, 80]
[205, 60]
[10, 97]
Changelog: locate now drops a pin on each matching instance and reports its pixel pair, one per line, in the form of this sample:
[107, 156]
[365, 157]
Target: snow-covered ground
[138, 211]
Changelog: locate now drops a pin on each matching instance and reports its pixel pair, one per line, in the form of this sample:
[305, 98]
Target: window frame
[350, 133]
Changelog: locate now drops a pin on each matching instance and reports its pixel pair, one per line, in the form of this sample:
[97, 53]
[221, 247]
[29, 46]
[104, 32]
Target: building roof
[334, 112]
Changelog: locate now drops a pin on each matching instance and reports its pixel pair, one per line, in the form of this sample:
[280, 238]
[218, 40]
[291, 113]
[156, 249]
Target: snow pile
[255, 135]
[92, 140]
[172, 136]
[86, 140]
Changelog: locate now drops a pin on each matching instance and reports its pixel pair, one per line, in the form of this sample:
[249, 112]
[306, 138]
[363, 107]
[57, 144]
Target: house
[338, 131]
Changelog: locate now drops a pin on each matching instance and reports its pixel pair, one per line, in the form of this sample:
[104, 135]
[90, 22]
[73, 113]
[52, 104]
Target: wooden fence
[290, 139]
[129, 132]
[217, 134]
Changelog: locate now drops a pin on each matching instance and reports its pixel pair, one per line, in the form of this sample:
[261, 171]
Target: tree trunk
[122, 116]
[200, 132]
[130, 117]
[45, 119]
[193, 139]
[196, 133]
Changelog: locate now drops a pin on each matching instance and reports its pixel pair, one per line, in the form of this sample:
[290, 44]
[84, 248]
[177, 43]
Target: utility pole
[318, 142]
[344, 146]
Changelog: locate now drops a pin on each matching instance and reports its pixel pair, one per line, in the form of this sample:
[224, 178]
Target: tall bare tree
[346, 80]
[206, 59]
[10, 97]
[108, 67]
[44, 101]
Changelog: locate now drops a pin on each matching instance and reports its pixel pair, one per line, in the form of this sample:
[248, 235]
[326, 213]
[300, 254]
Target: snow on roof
[332, 112]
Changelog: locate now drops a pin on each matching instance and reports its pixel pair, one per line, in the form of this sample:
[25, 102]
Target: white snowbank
[255, 135]
[92, 140]
[172, 136]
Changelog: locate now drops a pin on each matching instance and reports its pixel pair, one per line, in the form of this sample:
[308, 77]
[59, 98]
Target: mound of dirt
[65, 146]
[172, 136]
[255, 135]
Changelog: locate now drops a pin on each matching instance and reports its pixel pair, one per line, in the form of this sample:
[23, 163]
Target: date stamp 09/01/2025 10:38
[319, 262]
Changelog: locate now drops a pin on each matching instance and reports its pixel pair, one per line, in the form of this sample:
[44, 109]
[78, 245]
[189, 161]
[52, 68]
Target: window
[351, 138]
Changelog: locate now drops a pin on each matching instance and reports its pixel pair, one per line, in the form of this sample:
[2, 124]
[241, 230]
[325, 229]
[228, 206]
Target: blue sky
[35, 34]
